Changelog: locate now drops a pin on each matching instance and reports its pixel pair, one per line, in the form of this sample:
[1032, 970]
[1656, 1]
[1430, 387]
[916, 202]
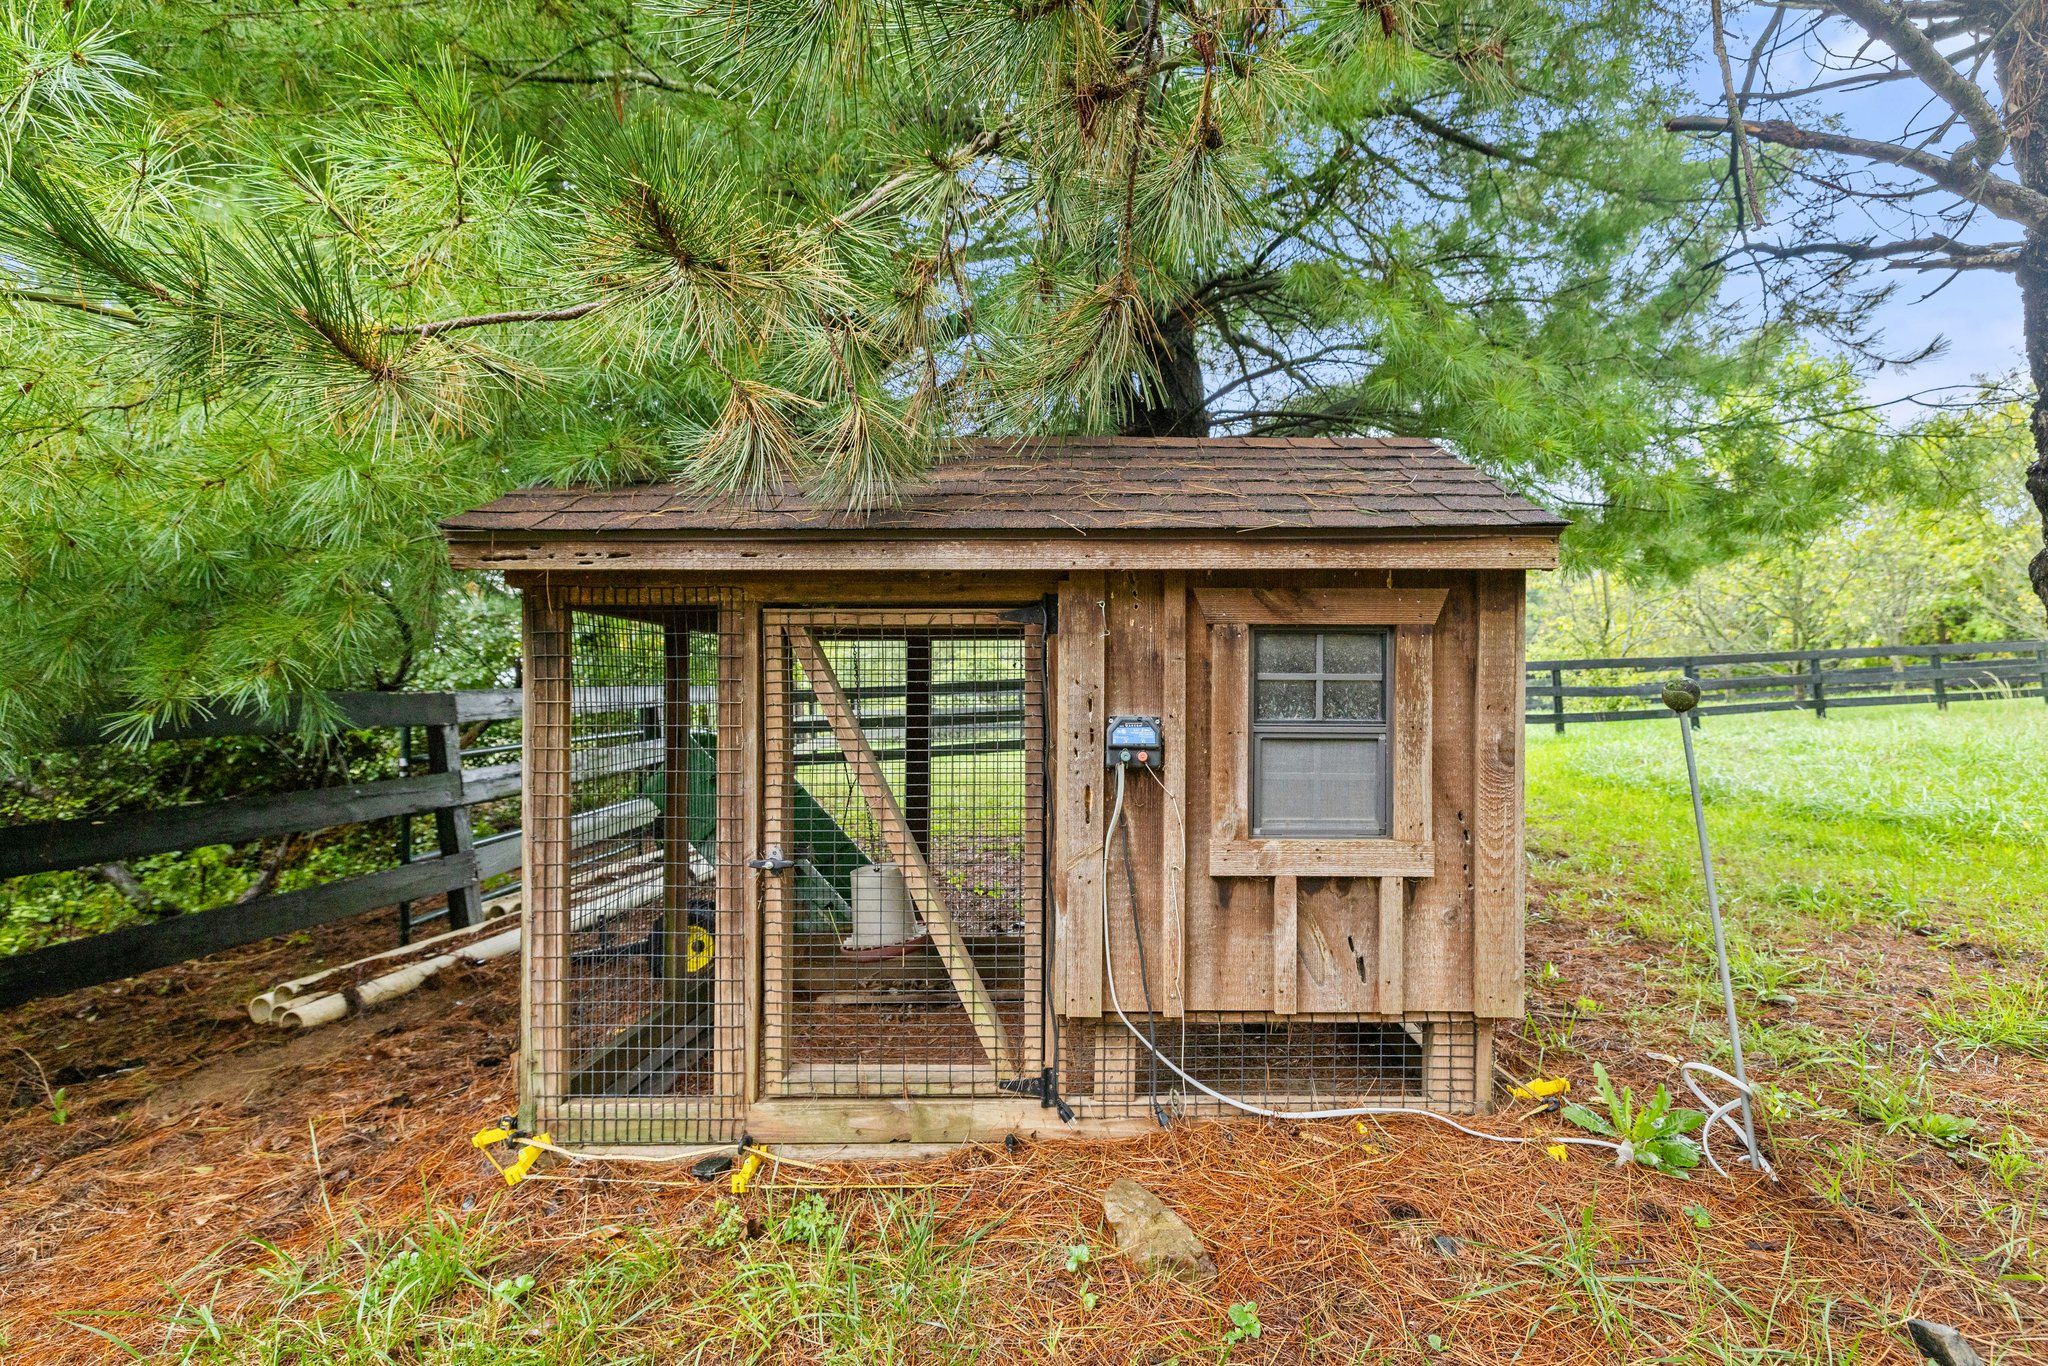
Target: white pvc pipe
[307, 1011]
[336, 1005]
[265, 1007]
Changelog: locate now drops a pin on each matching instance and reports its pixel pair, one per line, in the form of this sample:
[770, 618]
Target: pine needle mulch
[193, 1134]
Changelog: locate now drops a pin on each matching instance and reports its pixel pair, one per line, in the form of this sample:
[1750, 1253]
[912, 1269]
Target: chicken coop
[1092, 784]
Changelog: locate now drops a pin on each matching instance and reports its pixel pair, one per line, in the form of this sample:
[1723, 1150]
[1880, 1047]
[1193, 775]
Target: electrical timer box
[1132, 742]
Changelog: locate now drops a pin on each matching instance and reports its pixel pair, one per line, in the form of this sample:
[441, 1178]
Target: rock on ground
[1153, 1236]
[1939, 1343]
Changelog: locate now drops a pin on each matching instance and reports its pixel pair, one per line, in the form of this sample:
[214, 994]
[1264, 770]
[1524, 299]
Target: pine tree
[287, 285]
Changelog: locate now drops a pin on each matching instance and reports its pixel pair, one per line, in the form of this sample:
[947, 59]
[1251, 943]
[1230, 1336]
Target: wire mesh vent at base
[1286, 1064]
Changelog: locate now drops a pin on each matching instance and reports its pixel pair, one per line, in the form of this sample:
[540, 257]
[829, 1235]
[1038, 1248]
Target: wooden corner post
[544, 849]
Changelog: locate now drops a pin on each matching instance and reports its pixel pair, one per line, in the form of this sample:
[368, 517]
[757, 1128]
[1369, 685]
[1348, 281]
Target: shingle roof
[1080, 485]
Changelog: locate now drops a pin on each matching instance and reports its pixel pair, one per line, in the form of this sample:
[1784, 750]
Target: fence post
[405, 832]
[1692, 671]
[1557, 694]
[1940, 687]
[451, 824]
[2041, 654]
[1820, 697]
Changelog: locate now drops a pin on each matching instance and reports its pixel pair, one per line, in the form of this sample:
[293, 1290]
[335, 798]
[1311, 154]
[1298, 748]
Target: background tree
[1939, 552]
[286, 285]
[1957, 180]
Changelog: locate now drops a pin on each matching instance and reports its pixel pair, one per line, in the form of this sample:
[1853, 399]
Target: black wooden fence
[446, 790]
[1626, 689]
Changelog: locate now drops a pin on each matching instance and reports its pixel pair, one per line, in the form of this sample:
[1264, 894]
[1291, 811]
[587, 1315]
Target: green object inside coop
[821, 843]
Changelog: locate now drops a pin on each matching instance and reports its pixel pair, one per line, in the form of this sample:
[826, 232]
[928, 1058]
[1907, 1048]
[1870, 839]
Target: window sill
[1322, 858]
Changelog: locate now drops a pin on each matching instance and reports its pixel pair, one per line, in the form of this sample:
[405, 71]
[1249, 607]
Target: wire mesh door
[635, 972]
[904, 933]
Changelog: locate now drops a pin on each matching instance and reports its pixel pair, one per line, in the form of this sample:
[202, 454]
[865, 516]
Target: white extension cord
[1623, 1151]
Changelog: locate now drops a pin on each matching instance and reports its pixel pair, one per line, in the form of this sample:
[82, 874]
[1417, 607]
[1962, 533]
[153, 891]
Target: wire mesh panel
[636, 966]
[1287, 1064]
[904, 785]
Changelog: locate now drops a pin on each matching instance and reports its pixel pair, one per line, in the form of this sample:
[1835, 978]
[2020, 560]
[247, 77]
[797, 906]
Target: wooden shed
[1095, 783]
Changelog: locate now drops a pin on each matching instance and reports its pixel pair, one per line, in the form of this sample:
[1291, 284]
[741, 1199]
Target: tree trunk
[2023, 81]
[2033, 275]
[1172, 401]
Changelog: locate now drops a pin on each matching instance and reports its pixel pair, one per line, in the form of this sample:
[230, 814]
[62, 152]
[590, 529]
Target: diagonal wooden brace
[903, 849]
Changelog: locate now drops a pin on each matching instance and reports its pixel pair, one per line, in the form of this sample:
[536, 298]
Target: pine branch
[42, 296]
[517, 315]
[980, 145]
[2008, 199]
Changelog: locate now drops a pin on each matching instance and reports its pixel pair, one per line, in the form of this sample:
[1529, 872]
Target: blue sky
[1975, 314]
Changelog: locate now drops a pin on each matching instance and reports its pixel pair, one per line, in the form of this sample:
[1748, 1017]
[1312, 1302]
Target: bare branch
[2007, 199]
[1894, 27]
[1742, 162]
[1933, 253]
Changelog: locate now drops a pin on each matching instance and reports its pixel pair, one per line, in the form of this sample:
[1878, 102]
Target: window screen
[1319, 765]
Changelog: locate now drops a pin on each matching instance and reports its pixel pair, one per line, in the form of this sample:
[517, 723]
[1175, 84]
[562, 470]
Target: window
[1319, 748]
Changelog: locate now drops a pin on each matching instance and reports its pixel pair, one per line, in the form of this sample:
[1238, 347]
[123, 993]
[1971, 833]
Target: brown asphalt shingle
[1081, 485]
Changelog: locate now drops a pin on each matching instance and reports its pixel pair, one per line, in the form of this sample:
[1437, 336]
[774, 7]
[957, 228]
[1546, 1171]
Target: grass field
[1887, 888]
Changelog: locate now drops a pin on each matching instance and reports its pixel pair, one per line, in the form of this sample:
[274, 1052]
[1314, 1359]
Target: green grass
[795, 1278]
[1978, 771]
[1906, 818]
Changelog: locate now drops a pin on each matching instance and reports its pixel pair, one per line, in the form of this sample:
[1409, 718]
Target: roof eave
[1523, 546]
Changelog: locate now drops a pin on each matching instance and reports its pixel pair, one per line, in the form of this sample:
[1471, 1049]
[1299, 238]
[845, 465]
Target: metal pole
[1682, 698]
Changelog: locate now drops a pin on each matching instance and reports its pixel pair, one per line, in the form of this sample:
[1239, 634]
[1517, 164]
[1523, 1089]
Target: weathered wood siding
[1289, 941]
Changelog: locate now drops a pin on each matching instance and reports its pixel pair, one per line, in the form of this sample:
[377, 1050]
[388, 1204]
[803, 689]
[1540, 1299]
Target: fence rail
[447, 791]
[1618, 689]
[1788, 680]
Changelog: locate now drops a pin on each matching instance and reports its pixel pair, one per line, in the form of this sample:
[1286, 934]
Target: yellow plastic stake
[1543, 1088]
[528, 1155]
[743, 1175]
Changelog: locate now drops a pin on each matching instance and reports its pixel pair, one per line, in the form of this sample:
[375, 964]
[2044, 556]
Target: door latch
[774, 862]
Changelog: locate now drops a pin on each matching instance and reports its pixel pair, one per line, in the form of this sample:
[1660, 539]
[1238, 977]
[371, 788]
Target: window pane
[1286, 701]
[1352, 652]
[1352, 700]
[1282, 652]
[1318, 787]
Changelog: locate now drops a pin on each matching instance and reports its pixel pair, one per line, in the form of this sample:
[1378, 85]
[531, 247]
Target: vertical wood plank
[1286, 959]
[1497, 781]
[452, 829]
[737, 1013]
[1438, 927]
[1227, 961]
[925, 889]
[1173, 851]
[1414, 773]
[544, 850]
[1230, 663]
[1133, 686]
[1079, 816]
[1393, 910]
